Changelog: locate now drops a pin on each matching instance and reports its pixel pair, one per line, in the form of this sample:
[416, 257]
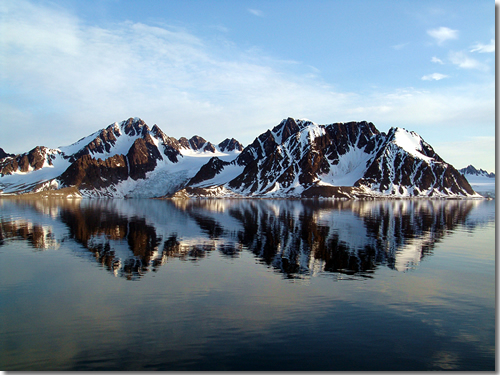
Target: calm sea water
[247, 285]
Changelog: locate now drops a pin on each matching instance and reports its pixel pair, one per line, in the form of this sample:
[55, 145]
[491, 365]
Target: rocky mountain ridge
[470, 170]
[297, 158]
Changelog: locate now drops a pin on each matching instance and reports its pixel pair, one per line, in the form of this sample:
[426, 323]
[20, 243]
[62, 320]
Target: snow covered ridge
[296, 159]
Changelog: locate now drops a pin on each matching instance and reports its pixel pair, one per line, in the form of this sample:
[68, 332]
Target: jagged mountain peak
[412, 143]
[4, 154]
[134, 126]
[288, 127]
[230, 145]
[473, 171]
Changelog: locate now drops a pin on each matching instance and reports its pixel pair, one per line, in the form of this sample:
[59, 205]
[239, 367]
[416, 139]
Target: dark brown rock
[230, 145]
[209, 170]
[142, 157]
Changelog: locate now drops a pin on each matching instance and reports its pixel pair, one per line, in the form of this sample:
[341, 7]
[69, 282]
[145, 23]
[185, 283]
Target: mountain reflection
[297, 238]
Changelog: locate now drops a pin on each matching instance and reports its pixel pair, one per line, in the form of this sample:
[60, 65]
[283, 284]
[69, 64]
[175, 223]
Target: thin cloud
[465, 62]
[400, 46]
[484, 48]
[437, 60]
[256, 12]
[434, 77]
[442, 34]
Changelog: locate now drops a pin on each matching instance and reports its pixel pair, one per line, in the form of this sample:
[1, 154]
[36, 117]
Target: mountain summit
[470, 170]
[297, 158]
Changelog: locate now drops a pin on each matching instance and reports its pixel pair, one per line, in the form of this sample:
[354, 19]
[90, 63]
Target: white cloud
[256, 12]
[465, 62]
[437, 60]
[434, 76]
[443, 34]
[484, 48]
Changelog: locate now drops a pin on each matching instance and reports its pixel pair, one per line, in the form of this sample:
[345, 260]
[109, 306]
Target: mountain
[480, 180]
[124, 159]
[470, 170]
[297, 158]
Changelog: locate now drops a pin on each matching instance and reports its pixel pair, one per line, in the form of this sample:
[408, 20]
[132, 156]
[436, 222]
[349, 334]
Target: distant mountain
[297, 158]
[470, 170]
[480, 180]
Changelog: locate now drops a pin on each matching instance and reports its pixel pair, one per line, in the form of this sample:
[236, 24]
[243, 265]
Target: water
[247, 285]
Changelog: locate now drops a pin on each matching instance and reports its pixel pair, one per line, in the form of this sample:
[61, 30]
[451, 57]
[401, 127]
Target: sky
[233, 69]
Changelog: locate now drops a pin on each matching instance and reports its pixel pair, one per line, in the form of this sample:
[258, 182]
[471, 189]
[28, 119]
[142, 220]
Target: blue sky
[236, 68]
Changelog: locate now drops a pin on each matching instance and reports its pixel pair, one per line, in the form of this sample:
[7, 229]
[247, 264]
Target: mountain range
[296, 159]
[470, 170]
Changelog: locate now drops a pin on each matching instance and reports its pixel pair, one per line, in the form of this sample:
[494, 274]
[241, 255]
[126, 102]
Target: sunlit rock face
[299, 239]
[296, 159]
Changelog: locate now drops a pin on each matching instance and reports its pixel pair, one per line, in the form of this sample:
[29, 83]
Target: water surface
[247, 285]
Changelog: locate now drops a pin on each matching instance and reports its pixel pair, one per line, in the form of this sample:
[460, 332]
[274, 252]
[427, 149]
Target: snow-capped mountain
[480, 180]
[124, 159]
[297, 158]
[470, 170]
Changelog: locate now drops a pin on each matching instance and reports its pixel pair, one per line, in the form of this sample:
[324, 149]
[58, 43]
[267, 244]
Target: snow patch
[350, 167]
[411, 143]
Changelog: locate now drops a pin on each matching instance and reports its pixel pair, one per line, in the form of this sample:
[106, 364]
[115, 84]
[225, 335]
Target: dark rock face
[91, 173]
[135, 127]
[230, 145]
[142, 157]
[34, 160]
[3, 154]
[209, 170]
[197, 142]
